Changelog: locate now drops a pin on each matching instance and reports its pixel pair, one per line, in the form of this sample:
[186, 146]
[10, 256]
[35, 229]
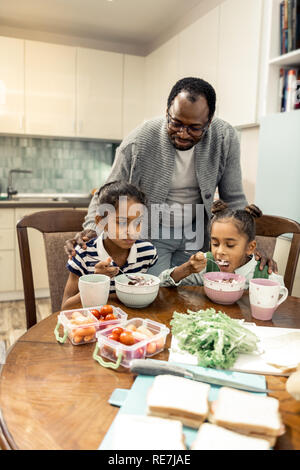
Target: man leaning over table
[179, 161]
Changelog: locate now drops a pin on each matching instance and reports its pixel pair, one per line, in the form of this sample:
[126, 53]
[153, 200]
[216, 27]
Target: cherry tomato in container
[127, 338]
[117, 331]
[113, 337]
[96, 313]
[106, 309]
[110, 316]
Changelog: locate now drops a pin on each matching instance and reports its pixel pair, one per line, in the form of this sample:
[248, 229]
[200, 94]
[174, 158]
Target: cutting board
[135, 398]
[253, 363]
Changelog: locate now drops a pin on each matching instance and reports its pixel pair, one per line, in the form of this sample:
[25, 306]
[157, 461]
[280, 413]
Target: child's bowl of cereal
[81, 325]
[224, 288]
[138, 291]
[137, 338]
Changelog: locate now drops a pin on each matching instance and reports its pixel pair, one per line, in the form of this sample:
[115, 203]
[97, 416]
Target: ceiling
[135, 22]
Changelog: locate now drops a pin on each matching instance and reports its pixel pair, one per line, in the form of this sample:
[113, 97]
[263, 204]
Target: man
[179, 161]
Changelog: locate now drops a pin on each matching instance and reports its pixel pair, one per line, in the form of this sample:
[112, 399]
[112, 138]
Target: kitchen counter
[58, 201]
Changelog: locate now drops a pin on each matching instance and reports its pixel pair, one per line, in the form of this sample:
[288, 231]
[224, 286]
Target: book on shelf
[289, 89]
[289, 18]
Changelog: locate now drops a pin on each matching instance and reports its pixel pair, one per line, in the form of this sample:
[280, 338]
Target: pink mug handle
[285, 293]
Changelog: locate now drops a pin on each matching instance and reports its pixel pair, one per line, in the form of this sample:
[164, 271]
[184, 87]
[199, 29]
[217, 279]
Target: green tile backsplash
[58, 165]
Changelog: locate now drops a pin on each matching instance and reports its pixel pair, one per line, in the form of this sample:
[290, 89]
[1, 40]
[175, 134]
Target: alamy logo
[158, 221]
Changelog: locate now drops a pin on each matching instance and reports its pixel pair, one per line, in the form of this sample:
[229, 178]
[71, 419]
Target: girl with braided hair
[232, 239]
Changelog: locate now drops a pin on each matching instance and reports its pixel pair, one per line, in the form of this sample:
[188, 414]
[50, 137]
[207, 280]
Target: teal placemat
[135, 398]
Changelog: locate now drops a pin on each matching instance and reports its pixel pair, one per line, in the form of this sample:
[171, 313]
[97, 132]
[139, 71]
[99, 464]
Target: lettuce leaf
[214, 337]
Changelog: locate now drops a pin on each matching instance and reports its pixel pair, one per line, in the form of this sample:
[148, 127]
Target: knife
[155, 367]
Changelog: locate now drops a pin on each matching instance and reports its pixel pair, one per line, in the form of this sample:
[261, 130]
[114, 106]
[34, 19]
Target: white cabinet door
[133, 92]
[99, 94]
[7, 268]
[239, 61]
[7, 250]
[161, 75]
[11, 85]
[49, 89]
[198, 56]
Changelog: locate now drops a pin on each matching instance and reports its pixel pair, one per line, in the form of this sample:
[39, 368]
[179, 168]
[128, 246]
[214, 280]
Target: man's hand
[272, 265]
[80, 239]
[105, 267]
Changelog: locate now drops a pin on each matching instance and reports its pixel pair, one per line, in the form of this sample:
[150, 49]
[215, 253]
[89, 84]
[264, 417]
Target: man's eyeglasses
[193, 129]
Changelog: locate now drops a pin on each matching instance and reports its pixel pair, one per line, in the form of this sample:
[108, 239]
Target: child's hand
[105, 267]
[197, 262]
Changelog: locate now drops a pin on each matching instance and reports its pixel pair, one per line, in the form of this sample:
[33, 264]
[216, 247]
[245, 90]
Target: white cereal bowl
[136, 296]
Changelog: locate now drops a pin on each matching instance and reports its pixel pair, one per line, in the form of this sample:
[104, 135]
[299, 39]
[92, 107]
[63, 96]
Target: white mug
[94, 289]
[263, 296]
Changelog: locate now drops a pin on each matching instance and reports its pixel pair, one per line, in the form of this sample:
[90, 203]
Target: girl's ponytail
[218, 207]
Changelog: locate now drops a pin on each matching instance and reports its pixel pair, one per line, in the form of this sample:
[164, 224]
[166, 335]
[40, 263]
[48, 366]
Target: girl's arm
[188, 273]
[71, 297]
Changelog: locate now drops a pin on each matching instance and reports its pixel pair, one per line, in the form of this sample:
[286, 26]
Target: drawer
[7, 267]
[7, 239]
[7, 219]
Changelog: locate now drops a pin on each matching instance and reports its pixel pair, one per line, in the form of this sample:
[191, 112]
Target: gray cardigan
[146, 158]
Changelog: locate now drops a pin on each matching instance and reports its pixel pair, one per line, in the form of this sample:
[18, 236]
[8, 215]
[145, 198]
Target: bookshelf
[273, 61]
[290, 59]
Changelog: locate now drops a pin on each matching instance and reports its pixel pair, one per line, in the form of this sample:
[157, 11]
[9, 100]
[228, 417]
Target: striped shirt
[141, 257]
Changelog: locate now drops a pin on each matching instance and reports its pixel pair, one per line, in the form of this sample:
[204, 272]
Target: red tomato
[117, 331]
[106, 309]
[96, 313]
[110, 316]
[113, 337]
[127, 338]
[139, 353]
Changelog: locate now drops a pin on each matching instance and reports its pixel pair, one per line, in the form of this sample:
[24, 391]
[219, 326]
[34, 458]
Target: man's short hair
[195, 87]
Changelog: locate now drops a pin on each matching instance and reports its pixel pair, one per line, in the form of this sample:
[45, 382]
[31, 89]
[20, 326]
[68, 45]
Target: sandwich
[247, 413]
[213, 437]
[179, 398]
[137, 432]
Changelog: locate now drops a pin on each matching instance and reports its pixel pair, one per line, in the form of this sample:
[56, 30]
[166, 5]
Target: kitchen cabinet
[239, 61]
[161, 75]
[99, 93]
[11, 85]
[133, 93]
[7, 250]
[49, 89]
[198, 56]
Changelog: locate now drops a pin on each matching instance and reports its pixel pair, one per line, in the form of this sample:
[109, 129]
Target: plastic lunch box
[120, 354]
[85, 333]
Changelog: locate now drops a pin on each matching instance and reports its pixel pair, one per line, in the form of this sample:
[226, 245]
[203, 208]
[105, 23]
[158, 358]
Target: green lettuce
[214, 337]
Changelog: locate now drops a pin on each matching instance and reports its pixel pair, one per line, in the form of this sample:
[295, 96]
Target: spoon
[205, 256]
[132, 278]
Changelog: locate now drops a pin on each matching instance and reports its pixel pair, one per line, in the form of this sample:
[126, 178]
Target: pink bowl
[225, 293]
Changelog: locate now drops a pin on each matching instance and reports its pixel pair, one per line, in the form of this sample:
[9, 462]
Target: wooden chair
[268, 228]
[56, 227]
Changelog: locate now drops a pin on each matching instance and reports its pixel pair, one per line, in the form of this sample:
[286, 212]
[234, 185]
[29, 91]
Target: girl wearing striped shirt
[119, 216]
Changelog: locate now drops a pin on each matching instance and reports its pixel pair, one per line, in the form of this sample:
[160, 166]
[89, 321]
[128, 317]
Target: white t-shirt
[184, 188]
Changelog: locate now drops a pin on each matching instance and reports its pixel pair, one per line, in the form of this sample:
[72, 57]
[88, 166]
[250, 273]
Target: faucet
[10, 190]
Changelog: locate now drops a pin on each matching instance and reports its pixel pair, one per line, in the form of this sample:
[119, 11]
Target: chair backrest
[268, 228]
[57, 227]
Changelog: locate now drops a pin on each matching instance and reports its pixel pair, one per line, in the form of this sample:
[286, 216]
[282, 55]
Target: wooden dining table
[55, 396]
